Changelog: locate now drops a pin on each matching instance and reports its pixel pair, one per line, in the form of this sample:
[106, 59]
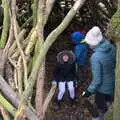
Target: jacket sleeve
[78, 50]
[96, 69]
[57, 72]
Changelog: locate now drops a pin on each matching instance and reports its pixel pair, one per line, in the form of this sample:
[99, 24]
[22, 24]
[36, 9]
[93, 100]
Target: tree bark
[7, 105]
[15, 99]
[113, 34]
[116, 106]
[5, 115]
[49, 98]
[35, 8]
[5, 24]
[40, 92]
[41, 74]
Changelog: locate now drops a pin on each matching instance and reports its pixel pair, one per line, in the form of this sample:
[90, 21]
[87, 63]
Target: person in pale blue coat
[103, 62]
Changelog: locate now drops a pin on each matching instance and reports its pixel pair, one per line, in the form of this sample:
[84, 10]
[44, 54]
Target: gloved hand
[86, 93]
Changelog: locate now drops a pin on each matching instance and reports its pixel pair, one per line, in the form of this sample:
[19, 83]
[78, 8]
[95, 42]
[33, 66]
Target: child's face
[65, 58]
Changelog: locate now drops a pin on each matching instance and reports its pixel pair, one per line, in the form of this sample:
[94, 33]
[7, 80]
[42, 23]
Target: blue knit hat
[77, 37]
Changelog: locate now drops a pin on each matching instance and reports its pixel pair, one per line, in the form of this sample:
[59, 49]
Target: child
[81, 53]
[65, 74]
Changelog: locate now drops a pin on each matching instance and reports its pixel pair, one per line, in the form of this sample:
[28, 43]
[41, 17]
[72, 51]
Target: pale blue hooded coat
[103, 63]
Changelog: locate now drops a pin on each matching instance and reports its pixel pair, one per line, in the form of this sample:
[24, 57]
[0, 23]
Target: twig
[15, 78]
[16, 54]
[4, 113]
[13, 46]
[49, 6]
[35, 7]
[10, 40]
[19, 72]
[10, 37]
[5, 24]
[7, 105]
[27, 22]
[20, 114]
[13, 62]
[18, 43]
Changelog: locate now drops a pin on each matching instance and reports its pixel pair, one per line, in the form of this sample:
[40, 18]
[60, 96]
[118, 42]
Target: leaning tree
[27, 31]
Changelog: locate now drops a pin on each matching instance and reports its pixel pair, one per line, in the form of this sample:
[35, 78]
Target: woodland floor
[66, 110]
[69, 111]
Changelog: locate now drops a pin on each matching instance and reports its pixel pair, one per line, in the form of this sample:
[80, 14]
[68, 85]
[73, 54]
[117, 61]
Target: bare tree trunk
[41, 73]
[39, 92]
[116, 106]
[113, 34]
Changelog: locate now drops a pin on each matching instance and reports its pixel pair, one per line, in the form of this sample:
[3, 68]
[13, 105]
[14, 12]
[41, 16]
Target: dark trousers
[81, 71]
[101, 101]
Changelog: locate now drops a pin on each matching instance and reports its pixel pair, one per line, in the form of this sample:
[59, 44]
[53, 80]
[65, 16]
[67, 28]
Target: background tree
[113, 34]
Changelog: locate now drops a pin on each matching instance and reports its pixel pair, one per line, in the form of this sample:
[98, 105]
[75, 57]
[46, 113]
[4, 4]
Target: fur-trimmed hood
[66, 52]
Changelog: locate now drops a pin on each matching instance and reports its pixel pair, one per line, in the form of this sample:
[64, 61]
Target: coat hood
[66, 52]
[77, 37]
[105, 46]
[94, 36]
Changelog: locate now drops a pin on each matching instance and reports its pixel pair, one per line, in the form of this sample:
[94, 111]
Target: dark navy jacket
[65, 72]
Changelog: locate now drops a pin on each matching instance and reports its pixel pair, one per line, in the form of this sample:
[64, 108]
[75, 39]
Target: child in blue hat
[81, 52]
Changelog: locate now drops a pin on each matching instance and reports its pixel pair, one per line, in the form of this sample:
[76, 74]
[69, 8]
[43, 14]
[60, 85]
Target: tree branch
[5, 24]
[35, 7]
[48, 98]
[5, 115]
[15, 99]
[49, 6]
[7, 105]
[18, 41]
